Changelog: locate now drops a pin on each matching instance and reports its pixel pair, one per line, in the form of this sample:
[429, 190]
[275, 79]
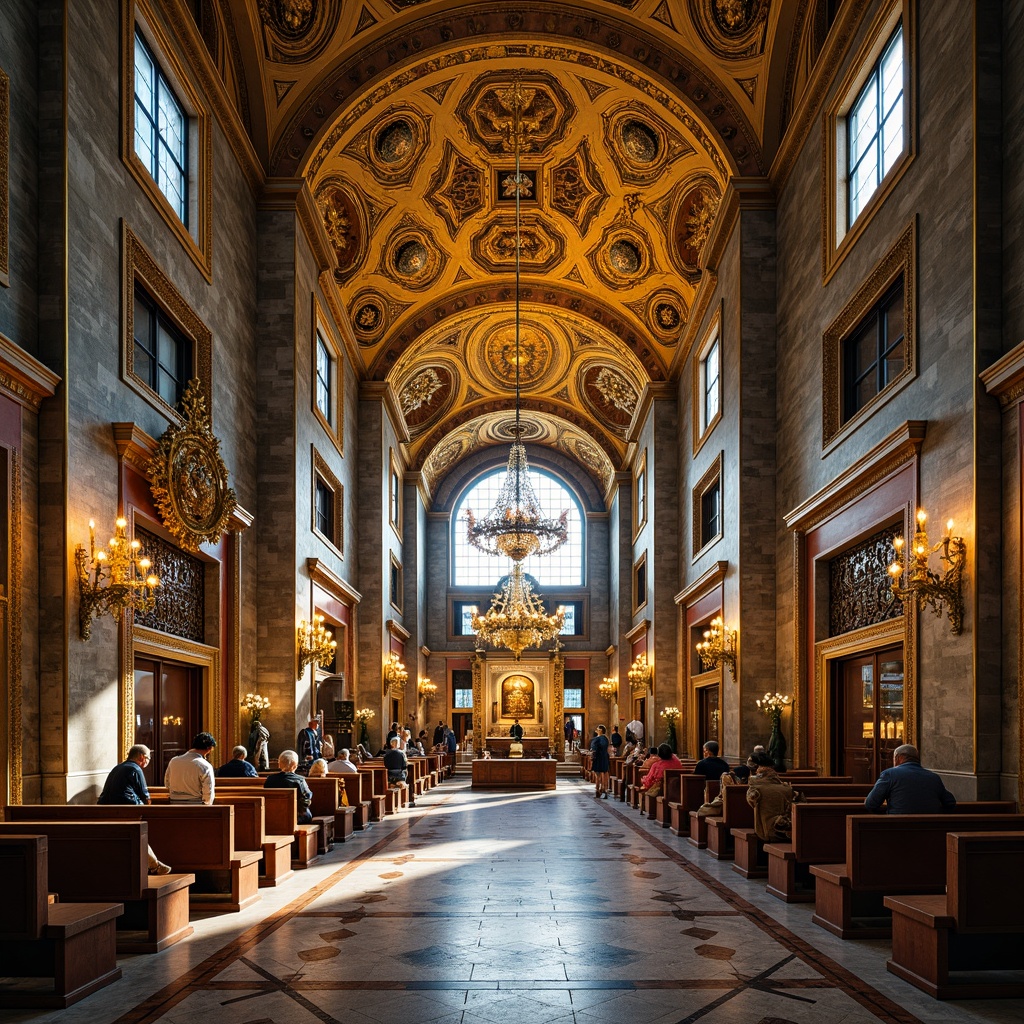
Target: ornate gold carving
[493, 247]
[412, 258]
[898, 261]
[478, 703]
[139, 265]
[456, 188]
[188, 478]
[557, 702]
[5, 143]
[642, 145]
[23, 377]
[393, 146]
[577, 189]
[731, 29]
[14, 634]
[622, 258]
[297, 31]
[345, 223]
[426, 396]
[860, 587]
[692, 224]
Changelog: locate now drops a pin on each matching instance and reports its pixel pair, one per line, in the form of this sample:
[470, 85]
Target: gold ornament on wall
[188, 477]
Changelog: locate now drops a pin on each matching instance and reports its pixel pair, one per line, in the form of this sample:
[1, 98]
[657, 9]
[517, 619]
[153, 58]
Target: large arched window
[562, 568]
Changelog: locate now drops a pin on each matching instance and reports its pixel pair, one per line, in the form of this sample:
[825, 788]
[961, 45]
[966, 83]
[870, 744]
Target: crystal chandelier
[516, 526]
[316, 643]
[516, 619]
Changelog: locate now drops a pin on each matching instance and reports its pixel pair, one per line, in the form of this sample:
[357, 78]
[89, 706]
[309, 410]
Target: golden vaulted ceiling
[397, 113]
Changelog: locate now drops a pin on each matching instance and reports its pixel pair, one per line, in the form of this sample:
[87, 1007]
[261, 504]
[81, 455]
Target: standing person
[439, 733]
[636, 727]
[599, 763]
[238, 767]
[616, 741]
[568, 733]
[309, 743]
[288, 778]
[907, 788]
[126, 784]
[516, 731]
[189, 776]
[342, 763]
[711, 766]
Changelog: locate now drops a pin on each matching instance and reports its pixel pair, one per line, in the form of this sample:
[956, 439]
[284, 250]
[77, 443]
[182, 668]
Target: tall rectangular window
[161, 130]
[162, 355]
[875, 126]
[875, 353]
[324, 380]
[711, 513]
[324, 510]
[709, 376]
[707, 382]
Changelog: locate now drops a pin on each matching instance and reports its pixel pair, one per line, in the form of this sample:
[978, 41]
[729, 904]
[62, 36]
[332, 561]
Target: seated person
[288, 778]
[908, 788]
[126, 784]
[342, 763]
[711, 766]
[396, 763]
[238, 767]
[318, 769]
[649, 761]
[327, 748]
[652, 781]
[772, 800]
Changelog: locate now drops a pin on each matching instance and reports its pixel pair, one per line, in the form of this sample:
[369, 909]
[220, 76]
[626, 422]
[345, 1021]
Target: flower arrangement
[773, 704]
[255, 705]
[363, 715]
[670, 714]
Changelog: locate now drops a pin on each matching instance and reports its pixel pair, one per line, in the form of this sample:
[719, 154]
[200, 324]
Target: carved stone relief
[426, 395]
[180, 598]
[860, 587]
[456, 188]
[622, 257]
[372, 313]
[412, 258]
[393, 146]
[692, 223]
[733, 29]
[641, 143]
[345, 222]
[493, 248]
[610, 395]
[577, 190]
[296, 31]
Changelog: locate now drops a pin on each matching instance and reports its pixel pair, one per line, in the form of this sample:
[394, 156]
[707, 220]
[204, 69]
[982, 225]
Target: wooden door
[709, 714]
[168, 711]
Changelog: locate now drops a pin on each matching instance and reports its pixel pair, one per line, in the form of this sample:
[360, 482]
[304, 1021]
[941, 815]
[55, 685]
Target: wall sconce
[395, 674]
[609, 689]
[640, 672]
[427, 690]
[316, 643]
[719, 645]
[115, 580]
[925, 585]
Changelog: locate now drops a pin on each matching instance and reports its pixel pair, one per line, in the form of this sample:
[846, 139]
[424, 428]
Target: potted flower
[363, 715]
[773, 704]
[670, 715]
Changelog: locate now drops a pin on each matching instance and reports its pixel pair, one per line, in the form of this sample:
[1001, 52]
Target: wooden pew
[194, 838]
[359, 788]
[282, 811]
[100, 862]
[819, 837]
[661, 811]
[394, 798]
[692, 789]
[327, 803]
[72, 943]
[890, 855]
[969, 942]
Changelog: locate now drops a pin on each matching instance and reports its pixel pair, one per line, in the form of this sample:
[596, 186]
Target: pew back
[983, 881]
[23, 865]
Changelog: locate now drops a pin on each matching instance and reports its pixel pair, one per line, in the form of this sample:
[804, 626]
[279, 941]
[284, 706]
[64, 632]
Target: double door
[869, 722]
[168, 711]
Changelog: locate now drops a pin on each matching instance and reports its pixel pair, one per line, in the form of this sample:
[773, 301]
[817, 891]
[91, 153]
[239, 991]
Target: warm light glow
[517, 619]
[719, 645]
[316, 643]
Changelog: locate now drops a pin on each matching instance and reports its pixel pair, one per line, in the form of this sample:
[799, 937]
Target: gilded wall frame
[322, 471]
[5, 180]
[321, 327]
[712, 333]
[712, 475]
[898, 262]
[197, 241]
[640, 493]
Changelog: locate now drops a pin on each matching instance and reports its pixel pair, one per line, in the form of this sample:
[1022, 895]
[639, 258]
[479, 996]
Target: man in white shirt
[342, 763]
[189, 776]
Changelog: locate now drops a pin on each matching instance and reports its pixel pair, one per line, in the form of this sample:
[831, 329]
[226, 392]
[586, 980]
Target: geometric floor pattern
[497, 908]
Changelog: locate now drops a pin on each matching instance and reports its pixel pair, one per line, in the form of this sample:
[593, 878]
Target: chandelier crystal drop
[516, 527]
[517, 619]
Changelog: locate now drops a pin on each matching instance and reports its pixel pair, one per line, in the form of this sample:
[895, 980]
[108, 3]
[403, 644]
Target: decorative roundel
[639, 141]
[410, 258]
[666, 314]
[625, 257]
[394, 143]
[425, 395]
[536, 354]
[610, 395]
[505, 430]
[369, 318]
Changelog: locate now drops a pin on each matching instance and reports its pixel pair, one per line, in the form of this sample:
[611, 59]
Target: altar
[533, 746]
[514, 773]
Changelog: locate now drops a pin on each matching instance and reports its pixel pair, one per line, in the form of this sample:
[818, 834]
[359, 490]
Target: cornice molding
[902, 445]
[382, 391]
[323, 576]
[397, 630]
[23, 377]
[712, 578]
[1004, 379]
[654, 391]
[241, 520]
[134, 445]
[642, 628]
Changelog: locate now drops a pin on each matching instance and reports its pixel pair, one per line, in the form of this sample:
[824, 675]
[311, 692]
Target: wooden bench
[72, 943]
[819, 837]
[359, 788]
[692, 789]
[327, 804]
[890, 855]
[193, 838]
[655, 806]
[395, 798]
[100, 862]
[282, 812]
[968, 943]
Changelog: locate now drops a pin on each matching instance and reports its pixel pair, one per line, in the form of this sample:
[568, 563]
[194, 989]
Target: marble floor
[496, 908]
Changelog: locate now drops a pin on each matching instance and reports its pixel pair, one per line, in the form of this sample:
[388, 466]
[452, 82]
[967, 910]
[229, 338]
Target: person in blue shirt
[907, 788]
[126, 784]
[238, 767]
[308, 742]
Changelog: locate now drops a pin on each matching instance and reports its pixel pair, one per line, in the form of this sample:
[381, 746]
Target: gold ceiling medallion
[188, 478]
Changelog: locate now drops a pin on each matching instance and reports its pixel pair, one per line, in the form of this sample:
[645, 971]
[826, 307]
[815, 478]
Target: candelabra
[316, 643]
[395, 674]
[114, 580]
[719, 645]
[609, 689]
[930, 587]
[427, 689]
[517, 619]
[639, 672]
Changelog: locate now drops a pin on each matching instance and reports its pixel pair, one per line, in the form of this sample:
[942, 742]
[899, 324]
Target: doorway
[868, 698]
[709, 714]
[572, 729]
[168, 711]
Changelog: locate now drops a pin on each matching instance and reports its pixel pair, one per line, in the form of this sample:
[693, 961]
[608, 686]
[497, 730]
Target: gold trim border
[714, 327]
[5, 178]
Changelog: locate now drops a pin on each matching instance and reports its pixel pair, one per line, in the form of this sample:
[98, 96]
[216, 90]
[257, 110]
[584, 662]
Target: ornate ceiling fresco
[397, 114]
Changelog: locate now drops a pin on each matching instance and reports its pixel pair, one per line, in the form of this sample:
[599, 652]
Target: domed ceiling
[398, 115]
